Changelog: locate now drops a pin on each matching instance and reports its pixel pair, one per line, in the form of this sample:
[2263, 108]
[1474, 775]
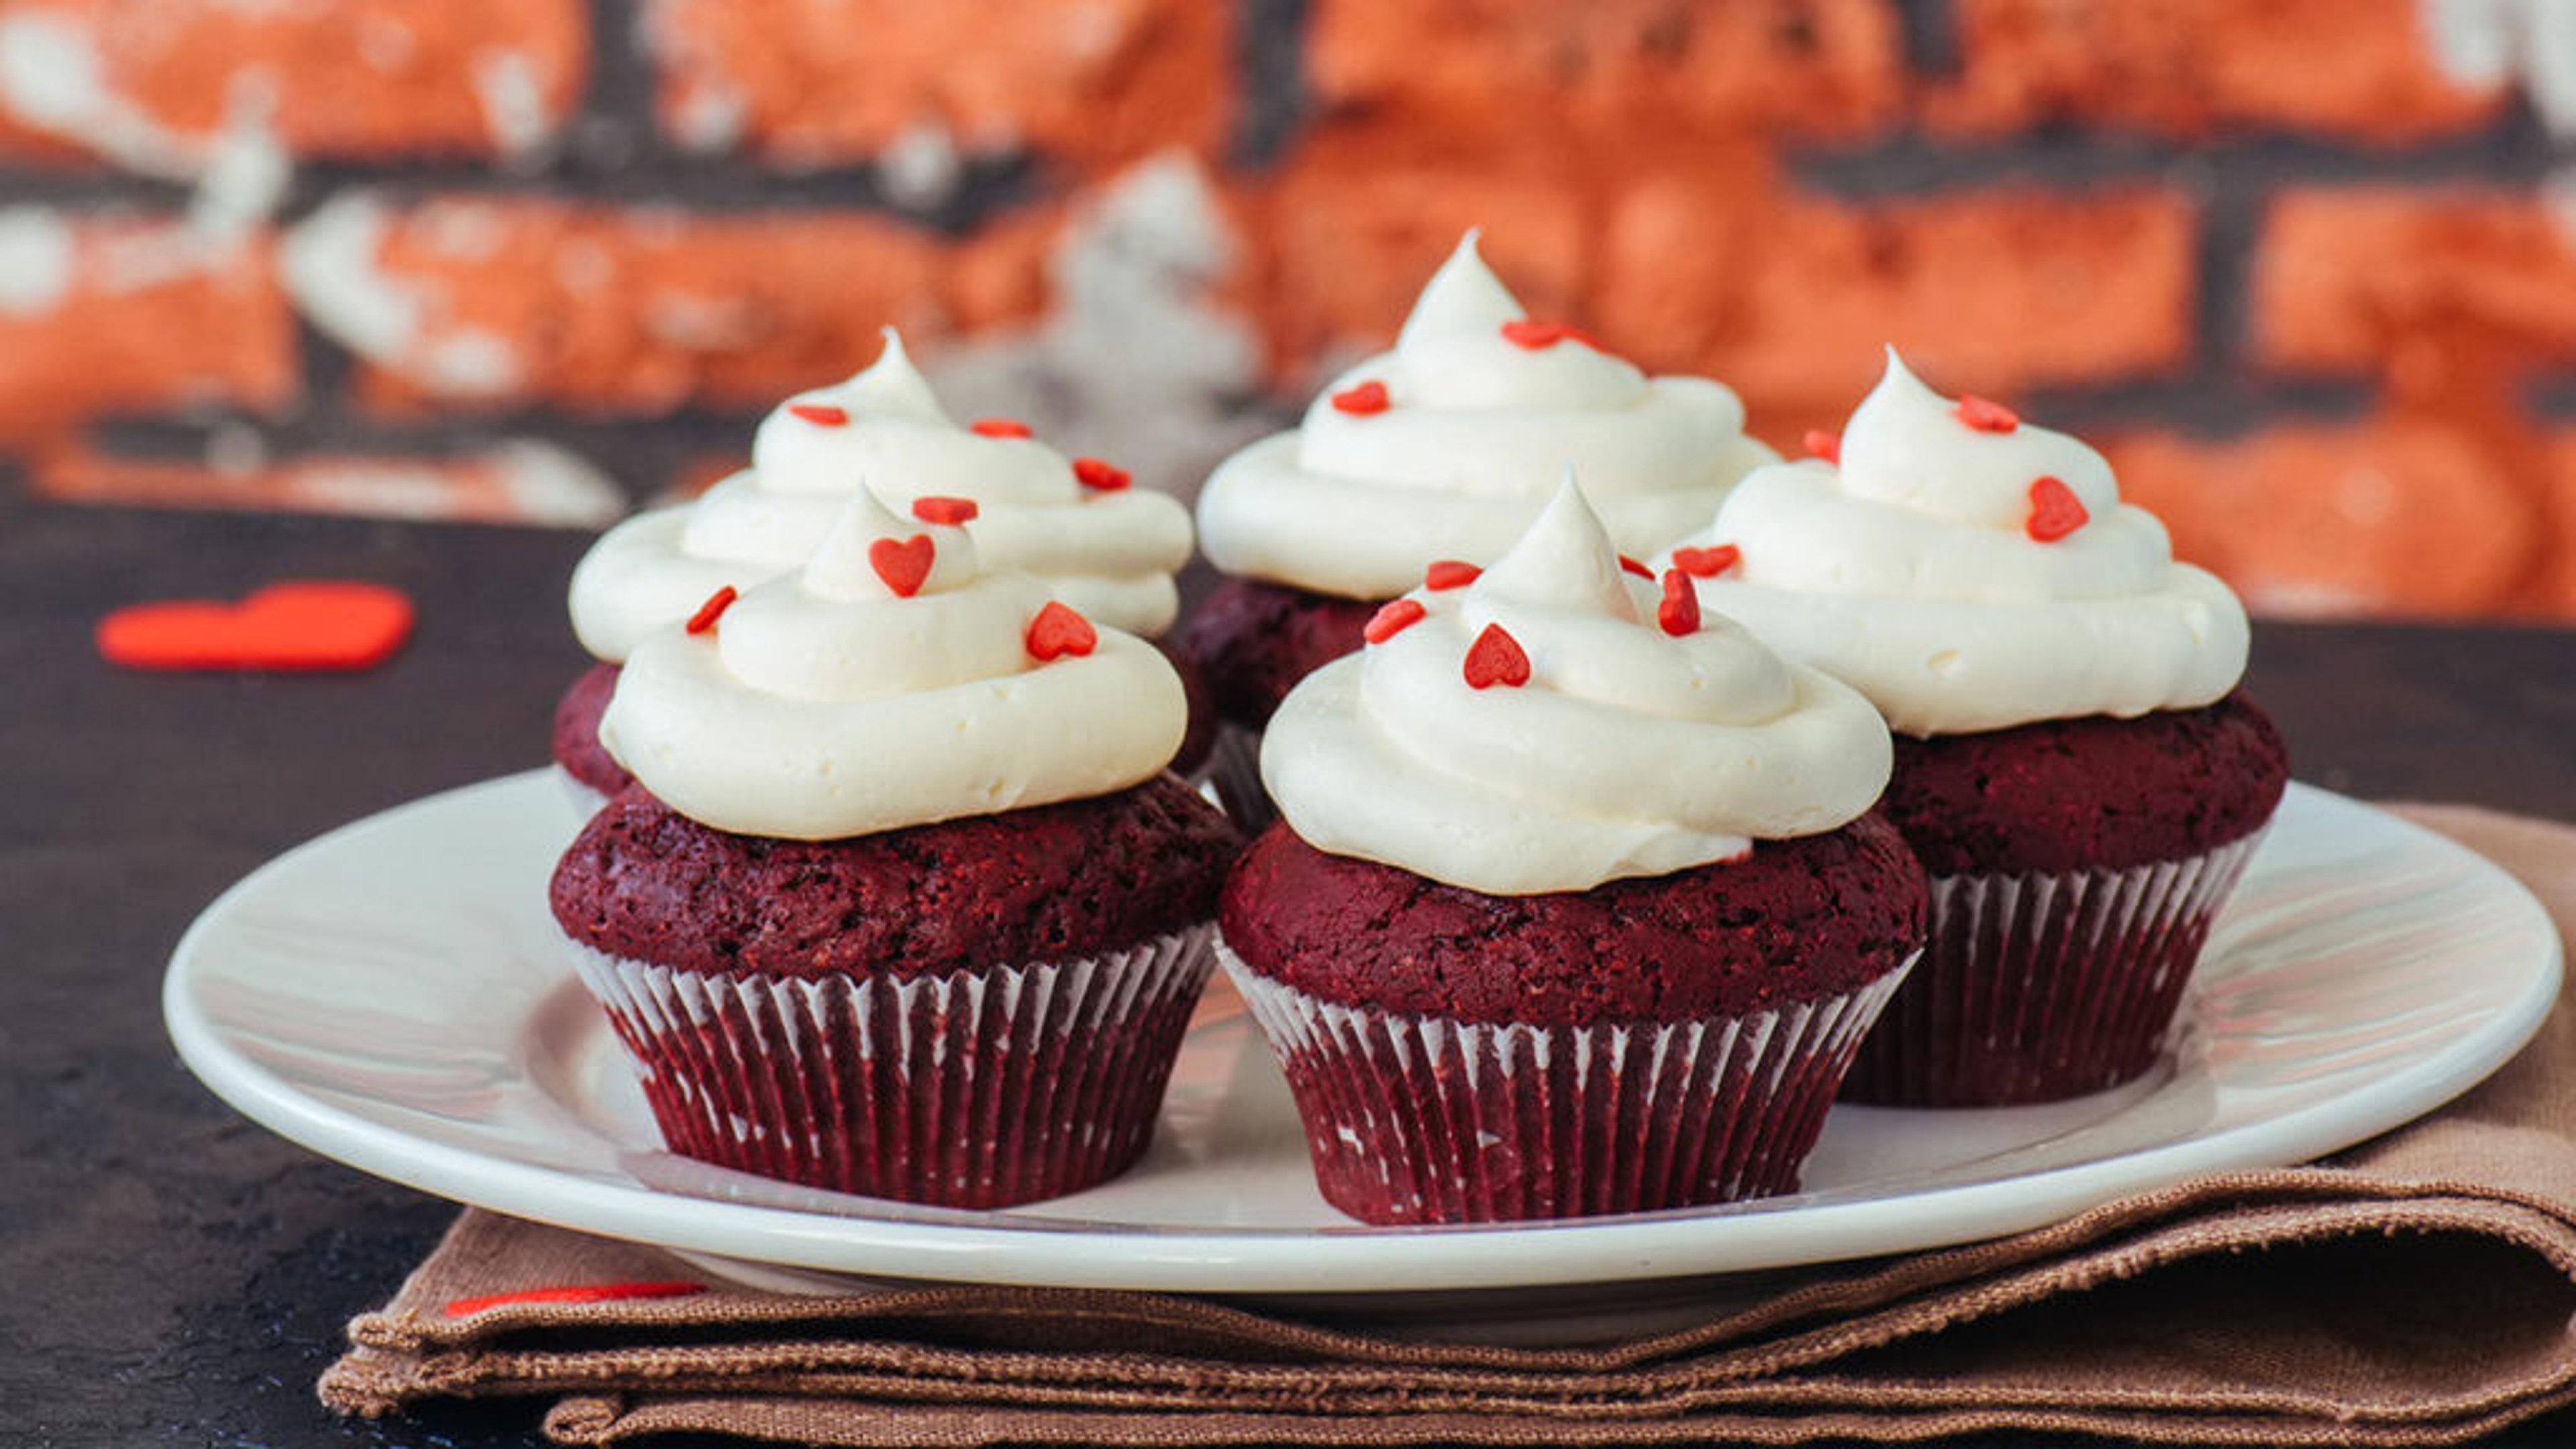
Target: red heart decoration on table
[299, 624]
[1057, 631]
[1496, 658]
[903, 563]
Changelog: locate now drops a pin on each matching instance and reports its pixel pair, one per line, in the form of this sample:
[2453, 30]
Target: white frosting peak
[1628, 750]
[1970, 571]
[1110, 554]
[887, 683]
[1484, 408]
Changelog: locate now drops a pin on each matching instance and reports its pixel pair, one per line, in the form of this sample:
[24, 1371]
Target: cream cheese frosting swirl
[1448, 445]
[1640, 742]
[1109, 551]
[889, 682]
[1968, 571]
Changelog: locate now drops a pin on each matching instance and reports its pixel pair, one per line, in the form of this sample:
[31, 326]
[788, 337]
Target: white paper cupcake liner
[2041, 986]
[1415, 1119]
[973, 1089]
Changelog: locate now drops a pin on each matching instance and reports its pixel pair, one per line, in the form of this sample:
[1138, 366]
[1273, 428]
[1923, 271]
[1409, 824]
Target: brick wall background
[2306, 269]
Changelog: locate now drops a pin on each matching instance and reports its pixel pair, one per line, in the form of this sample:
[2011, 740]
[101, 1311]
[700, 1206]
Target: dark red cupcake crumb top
[1047, 883]
[2076, 794]
[1254, 640]
[576, 744]
[1797, 920]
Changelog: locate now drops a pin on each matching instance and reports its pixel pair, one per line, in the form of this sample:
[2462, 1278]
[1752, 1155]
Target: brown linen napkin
[2416, 1290]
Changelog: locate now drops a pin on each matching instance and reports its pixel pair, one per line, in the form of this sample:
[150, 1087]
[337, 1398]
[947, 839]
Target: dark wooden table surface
[170, 1274]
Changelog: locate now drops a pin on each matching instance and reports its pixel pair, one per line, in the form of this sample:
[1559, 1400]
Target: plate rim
[1028, 1249]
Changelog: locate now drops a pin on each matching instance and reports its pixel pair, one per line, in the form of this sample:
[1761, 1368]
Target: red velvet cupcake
[2072, 763]
[904, 902]
[1443, 448]
[1574, 906]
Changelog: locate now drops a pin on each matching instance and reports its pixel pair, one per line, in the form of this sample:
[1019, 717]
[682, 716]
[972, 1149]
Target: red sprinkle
[1707, 563]
[1524, 332]
[2055, 511]
[1450, 573]
[821, 415]
[1679, 612]
[1391, 619]
[1985, 415]
[999, 428]
[572, 1293]
[903, 564]
[712, 610]
[939, 508]
[1058, 630]
[1100, 477]
[1362, 398]
[1634, 567]
[1825, 445]
[1496, 658]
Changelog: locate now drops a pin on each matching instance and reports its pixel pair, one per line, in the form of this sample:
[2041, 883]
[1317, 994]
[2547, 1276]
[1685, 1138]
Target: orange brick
[2340, 276]
[1345, 236]
[1789, 297]
[1814, 68]
[2394, 516]
[529, 483]
[131, 315]
[521, 300]
[2358, 70]
[808, 82]
[357, 78]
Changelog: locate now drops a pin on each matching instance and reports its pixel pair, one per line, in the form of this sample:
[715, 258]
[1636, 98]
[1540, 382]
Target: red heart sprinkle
[1450, 573]
[712, 610]
[571, 1293]
[942, 509]
[821, 415]
[300, 624]
[1392, 618]
[1825, 445]
[1634, 567]
[1534, 335]
[1707, 563]
[1100, 477]
[1058, 630]
[903, 565]
[1362, 399]
[2055, 511]
[1985, 415]
[1679, 612]
[1496, 658]
[999, 428]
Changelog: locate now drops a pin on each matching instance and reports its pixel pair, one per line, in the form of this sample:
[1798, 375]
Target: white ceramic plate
[393, 995]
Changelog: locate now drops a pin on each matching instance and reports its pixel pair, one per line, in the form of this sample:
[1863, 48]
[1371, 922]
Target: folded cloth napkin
[2416, 1290]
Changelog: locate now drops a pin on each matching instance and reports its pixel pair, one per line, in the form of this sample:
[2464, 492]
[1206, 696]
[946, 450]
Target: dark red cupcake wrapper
[1420, 1119]
[974, 1089]
[2043, 986]
[1233, 770]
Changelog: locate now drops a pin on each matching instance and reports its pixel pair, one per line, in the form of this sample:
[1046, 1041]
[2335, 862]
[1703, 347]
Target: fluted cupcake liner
[1233, 770]
[1425, 1119]
[2042, 986]
[972, 1089]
